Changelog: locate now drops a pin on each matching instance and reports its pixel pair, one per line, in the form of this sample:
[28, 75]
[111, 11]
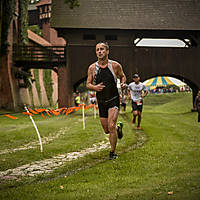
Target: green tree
[7, 10]
[23, 21]
[73, 3]
[6, 15]
[36, 29]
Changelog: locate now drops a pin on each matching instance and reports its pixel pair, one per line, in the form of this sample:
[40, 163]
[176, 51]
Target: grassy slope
[168, 161]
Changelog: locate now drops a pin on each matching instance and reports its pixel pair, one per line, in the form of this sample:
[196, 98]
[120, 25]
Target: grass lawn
[162, 161]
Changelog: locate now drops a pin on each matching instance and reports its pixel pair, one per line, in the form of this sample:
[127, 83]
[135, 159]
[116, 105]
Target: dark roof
[43, 2]
[128, 14]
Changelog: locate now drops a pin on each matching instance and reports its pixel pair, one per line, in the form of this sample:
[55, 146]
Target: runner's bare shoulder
[92, 69]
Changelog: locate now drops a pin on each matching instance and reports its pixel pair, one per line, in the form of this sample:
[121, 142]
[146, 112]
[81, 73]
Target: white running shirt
[136, 90]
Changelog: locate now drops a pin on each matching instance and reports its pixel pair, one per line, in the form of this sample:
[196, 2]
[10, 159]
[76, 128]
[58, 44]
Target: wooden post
[65, 87]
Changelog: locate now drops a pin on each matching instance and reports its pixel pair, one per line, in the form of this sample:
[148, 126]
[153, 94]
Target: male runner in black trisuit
[102, 77]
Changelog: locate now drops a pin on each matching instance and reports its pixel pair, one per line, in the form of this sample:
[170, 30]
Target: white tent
[177, 82]
[163, 81]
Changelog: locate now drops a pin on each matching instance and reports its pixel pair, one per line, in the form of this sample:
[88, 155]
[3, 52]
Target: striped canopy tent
[159, 81]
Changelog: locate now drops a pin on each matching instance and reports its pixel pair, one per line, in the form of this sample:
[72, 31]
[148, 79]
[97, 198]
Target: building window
[89, 37]
[110, 37]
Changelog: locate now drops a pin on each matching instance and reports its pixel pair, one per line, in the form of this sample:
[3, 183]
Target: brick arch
[176, 62]
[75, 86]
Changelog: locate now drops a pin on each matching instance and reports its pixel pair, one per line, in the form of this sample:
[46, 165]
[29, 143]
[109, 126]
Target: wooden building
[120, 23]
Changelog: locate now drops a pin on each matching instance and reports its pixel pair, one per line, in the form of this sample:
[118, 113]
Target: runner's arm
[121, 76]
[145, 93]
[90, 80]
[129, 92]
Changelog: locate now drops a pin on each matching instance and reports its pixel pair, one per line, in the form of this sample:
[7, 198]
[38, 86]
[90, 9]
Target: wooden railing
[33, 55]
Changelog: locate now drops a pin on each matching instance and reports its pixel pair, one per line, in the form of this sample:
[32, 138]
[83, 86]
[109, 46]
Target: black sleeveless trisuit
[109, 96]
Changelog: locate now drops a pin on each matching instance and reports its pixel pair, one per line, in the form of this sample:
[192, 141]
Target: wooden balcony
[37, 57]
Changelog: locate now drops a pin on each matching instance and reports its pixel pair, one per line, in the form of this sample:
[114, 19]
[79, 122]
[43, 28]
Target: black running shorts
[137, 105]
[105, 106]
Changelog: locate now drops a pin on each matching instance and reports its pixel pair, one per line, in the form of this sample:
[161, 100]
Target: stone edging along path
[48, 165]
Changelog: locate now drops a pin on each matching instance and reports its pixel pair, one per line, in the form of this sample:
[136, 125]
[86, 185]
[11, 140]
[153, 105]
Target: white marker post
[83, 114]
[41, 148]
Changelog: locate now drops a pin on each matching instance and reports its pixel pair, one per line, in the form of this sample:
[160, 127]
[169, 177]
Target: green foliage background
[7, 15]
[48, 84]
[23, 21]
[37, 82]
[36, 29]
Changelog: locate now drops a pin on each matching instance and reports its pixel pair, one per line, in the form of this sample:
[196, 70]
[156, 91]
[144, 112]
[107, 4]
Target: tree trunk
[6, 99]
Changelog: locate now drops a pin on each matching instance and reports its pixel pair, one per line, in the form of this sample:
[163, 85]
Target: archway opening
[168, 83]
[80, 89]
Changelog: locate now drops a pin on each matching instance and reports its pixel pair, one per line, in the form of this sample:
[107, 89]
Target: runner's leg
[112, 120]
[134, 109]
[104, 123]
[139, 119]
[135, 113]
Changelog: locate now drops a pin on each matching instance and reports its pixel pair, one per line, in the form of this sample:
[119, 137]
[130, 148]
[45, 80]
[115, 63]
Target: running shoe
[119, 129]
[138, 128]
[112, 156]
